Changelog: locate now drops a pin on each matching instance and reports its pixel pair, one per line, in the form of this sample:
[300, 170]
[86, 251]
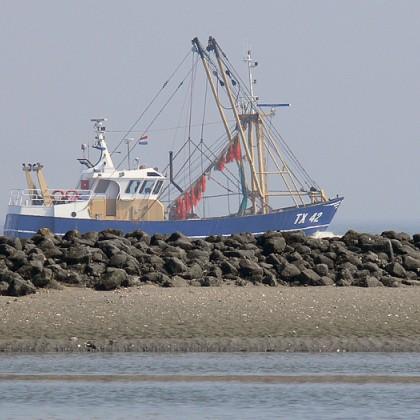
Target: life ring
[57, 195]
[72, 195]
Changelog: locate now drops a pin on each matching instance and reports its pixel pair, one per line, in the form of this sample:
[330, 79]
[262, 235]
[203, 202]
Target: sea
[210, 386]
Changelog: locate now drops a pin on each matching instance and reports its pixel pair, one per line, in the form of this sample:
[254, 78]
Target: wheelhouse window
[147, 186]
[157, 188]
[132, 187]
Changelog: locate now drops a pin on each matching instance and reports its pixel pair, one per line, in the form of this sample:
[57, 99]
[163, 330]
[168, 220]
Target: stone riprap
[108, 260]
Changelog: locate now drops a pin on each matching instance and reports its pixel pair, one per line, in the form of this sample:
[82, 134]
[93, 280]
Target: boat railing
[28, 197]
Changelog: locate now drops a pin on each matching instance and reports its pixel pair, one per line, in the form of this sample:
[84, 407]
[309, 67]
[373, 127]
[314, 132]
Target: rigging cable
[286, 148]
[151, 103]
[193, 76]
[148, 106]
[159, 113]
[203, 123]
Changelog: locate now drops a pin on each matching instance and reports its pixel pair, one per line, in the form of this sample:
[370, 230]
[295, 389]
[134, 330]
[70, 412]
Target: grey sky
[350, 69]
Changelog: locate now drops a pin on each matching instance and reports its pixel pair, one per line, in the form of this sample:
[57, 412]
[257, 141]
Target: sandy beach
[228, 318]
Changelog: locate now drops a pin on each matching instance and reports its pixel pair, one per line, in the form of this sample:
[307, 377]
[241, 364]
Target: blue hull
[311, 218]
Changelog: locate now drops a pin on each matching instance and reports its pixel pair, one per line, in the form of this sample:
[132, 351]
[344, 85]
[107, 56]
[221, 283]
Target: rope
[158, 114]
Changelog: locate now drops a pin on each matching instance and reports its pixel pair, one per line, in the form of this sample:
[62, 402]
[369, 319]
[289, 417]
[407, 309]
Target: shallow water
[210, 385]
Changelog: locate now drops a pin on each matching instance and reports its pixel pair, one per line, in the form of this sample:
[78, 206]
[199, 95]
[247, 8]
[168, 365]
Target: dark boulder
[140, 236]
[113, 246]
[308, 276]
[17, 285]
[3, 288]
[95, 269]
[200, 244]
[7, 250]
[317, 244]
[367, 281]
[228, 268]
[175, 252]
[274, 245]
[158, 239]
[45, 279]
[270, 279]
[36, 255]
[290, 273]
[323, 259]
[391, 281]
[174, 266]
[155, 277]
[399, 236]
[276, 261]
[326, 281]
[156, 263]
[274, 258]
[345, 277]
[113, 278]
[41, 235]
[215, 271]
[72, 236]
[302, 249]
[250, 270]
[240, 253]
[178, 239]
[210, 281]
[395, 269]
[15, 243]
[410, 250]
[198, 254]
[411, 282]
[175, 281]
[370, 266]
[322, 269]
[90, 238]
[294, 256]
[351, 238]
[18, 259]
[293, 238]
[412, 264]
[192, 272]
[131, 281]
[3, 266]
[68, 276]
[379, 244]
[110, 234]
[31, 269]
[76, 254]
[217, 255]
[126, 262]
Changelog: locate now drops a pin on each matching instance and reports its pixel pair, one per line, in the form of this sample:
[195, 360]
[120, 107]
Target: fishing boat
[243, 180]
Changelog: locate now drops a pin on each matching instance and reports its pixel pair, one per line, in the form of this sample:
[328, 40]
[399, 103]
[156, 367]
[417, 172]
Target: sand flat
[228, 318]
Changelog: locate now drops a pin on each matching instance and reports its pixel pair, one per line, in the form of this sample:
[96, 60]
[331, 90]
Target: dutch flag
[143, 140]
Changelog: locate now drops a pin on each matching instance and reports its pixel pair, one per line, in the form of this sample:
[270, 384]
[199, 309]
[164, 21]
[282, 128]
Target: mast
[214, 47]
[256, 123]
[105, 160]
[255, 127]
[203, 57]
[248, 107]
[261, 145]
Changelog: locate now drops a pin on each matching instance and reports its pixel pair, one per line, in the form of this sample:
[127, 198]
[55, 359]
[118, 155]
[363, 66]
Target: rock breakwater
[108, 260]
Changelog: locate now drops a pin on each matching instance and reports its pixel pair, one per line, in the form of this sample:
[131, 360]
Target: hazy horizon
[349, 68]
